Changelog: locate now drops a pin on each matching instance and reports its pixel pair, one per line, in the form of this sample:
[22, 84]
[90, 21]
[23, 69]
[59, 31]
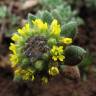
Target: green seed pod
[45, 56]
[39, 65]
[25, 62]
[74, 55]
[51, 42]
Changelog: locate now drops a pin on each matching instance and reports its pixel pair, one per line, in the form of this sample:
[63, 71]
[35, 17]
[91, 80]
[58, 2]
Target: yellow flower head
[15, 37]
[14, 59]
[13, 48]
[57, 53]
[25, 74]
[66, 40]
[55, 28]
[53, 71]
[40, 24]
[49, 32]
[25, 30]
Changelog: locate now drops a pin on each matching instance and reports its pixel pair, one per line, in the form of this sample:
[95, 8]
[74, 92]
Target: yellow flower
[53, 71]
[55, 28]
[54, 50]
[40, 24]
[24, 74]
[15, 37]
[61, 57]
[17, 71]
[55, 58]
[60, 50]
[45, 80]
[27, 74]
[27, 27]
[13, 48]
[25, 30]
[57, 53]
[33, 78]
[66, 40]
[21, 32]
[14, 59]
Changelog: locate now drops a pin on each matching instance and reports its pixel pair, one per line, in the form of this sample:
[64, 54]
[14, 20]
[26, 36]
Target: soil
[58, 86]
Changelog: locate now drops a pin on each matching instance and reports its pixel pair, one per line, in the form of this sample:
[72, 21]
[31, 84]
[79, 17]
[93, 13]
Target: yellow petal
[15, 37]
[55, 28]
[40, 24]
[54, 58]
[27, 27]
[13, 48]
[61, 57]
[22, 31]
[60, 50]
[67, 40]
[53, 71]
[14, 59]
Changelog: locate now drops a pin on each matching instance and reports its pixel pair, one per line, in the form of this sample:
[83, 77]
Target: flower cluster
[57, 53]
[28, 67]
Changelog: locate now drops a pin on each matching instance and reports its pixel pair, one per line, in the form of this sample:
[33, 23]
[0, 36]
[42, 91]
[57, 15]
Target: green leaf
[50, 4]
[3, 11]
[87, 60]
[51, 41]
[30, 18]
[17, 78]
[39, 14]
[69, 29]
[47, 17]
[56, 15]
[39, 65]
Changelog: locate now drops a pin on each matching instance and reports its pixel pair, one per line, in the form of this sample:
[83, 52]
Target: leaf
[39, 14]
[3, 11]
[69, 29]
[49, 4]
[30, 18]
[47, 17]
[56, 15]
[87, 60]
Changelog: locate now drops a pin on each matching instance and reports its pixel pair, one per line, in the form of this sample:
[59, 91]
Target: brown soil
[58, 86]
